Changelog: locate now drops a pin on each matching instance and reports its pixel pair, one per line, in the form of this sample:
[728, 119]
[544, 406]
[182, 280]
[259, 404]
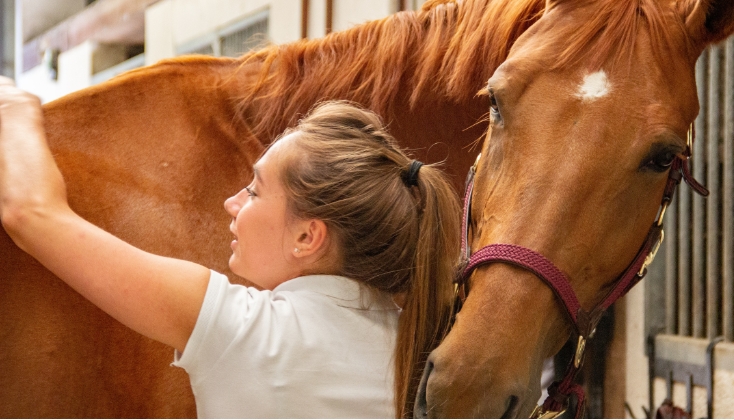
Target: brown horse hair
[610, 34]
[449, 48]
[389, 235]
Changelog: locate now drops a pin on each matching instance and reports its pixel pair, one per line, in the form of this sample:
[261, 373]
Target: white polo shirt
[315, 346]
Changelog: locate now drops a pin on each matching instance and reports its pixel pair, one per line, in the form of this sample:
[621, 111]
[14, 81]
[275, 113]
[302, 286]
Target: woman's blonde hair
[396, 229]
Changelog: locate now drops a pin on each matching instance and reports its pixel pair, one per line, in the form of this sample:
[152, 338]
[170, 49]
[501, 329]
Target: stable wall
[172, 23]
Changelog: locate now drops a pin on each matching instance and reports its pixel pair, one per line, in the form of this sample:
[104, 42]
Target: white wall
[74, 73]
[316, 18]
[38, 81]
[348, 13]
[41, 15]
[76, 67]
[171, 23]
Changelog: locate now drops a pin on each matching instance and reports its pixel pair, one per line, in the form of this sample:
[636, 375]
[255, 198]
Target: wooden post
[304, 18]
[329, 16]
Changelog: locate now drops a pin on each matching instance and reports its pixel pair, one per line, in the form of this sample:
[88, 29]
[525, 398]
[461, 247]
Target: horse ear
[708, 21]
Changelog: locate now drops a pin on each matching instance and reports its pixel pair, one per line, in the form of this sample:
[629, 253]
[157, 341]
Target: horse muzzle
[438, 397]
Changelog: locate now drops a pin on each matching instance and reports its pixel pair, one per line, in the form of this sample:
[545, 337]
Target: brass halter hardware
[651, 256]
[579, 356]
[539, 413]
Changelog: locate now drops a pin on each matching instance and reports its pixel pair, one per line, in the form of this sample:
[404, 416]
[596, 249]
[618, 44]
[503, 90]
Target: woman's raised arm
[156, 296]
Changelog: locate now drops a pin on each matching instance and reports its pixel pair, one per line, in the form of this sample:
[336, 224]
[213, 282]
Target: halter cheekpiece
[410, 175]
[584, 322]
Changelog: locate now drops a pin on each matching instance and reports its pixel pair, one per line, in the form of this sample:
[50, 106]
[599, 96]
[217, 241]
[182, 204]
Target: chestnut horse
[590, 109]
[151, 155]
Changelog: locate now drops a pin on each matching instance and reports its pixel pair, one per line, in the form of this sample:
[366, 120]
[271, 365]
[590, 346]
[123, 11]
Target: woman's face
[262, 251]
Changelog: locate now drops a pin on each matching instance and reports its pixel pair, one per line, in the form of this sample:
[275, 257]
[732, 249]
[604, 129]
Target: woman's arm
[156, 296]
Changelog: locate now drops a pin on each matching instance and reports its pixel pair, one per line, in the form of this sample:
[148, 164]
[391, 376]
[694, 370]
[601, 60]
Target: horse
[589, 134]
[151, 155]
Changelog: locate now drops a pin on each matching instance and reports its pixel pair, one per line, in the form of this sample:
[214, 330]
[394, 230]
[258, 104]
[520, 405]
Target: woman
[336, 227]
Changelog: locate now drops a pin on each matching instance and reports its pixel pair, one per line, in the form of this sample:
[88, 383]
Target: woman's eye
[250, 191]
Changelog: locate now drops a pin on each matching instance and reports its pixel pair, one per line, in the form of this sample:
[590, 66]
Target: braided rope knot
[558, 394]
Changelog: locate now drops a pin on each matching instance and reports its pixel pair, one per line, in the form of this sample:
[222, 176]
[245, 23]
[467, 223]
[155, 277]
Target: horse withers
[589, 112]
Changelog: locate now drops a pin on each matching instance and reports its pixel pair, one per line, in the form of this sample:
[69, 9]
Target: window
[233, 40]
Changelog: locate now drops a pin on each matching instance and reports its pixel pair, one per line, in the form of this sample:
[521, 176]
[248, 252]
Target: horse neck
[441, 55]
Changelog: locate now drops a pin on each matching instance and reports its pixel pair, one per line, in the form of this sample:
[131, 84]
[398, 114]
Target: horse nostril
[420, 407]
[513, 406]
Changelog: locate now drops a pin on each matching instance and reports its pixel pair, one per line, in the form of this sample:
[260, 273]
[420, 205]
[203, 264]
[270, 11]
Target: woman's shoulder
[341, 291]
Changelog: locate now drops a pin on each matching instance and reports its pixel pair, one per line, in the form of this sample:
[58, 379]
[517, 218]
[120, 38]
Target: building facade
[66, 45]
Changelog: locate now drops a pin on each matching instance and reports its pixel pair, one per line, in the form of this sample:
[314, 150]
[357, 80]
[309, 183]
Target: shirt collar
[345, 291]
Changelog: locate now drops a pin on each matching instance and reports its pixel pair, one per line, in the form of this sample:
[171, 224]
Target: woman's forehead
[274, 157]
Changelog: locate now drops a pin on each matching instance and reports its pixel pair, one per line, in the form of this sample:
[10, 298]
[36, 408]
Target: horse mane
[448, 50]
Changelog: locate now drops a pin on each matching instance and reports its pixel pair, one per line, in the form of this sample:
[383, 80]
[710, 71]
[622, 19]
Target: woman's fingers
[12, 95]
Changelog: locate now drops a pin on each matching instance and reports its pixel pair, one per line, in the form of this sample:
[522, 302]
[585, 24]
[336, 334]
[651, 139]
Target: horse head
[588, 113]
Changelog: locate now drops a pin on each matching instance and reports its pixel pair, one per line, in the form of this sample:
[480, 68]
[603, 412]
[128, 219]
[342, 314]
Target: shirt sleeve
[227, 310]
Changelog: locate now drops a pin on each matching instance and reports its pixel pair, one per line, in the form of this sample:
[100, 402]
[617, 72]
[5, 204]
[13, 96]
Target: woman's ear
[311, 238]
[707, 21]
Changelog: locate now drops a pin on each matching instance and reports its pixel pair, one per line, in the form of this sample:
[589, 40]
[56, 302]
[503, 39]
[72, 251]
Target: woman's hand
[156, 296]
[28, 174]
[15, 100]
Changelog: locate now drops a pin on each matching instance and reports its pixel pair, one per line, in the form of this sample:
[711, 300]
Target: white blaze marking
[595, 86]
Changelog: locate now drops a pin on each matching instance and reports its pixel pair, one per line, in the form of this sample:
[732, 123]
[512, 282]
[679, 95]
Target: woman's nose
[233, 204]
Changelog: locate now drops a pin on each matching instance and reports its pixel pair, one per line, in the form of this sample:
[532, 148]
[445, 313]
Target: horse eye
[661, 162]
[493, 106]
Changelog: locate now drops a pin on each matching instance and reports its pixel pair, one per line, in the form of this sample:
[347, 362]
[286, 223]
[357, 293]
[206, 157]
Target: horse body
[150, 157]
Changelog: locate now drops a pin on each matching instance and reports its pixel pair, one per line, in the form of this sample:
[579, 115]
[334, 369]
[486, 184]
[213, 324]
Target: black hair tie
[410, 176]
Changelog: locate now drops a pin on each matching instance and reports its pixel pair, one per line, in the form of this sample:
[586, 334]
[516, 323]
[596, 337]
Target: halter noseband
[584, 322]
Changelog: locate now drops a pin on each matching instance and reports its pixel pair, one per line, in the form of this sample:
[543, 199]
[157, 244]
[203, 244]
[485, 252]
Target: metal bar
[698, 213]
[671, 269]
[713, 265]
[689, 394]
[710, 376]
[684, 261]
[727, 257]
[650, 375]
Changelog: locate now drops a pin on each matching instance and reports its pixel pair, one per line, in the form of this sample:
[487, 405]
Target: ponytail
[424, 320]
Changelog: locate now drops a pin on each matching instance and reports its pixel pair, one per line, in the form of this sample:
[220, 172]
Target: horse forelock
[608, 36]
[444, 52]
